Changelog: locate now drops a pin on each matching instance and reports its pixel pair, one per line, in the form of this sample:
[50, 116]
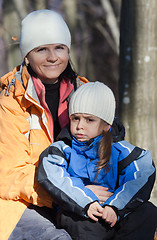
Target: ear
[26, 61]
[106, 127]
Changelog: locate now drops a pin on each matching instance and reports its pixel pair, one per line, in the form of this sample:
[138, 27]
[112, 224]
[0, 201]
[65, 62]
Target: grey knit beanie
[43, 27]
[94, 98]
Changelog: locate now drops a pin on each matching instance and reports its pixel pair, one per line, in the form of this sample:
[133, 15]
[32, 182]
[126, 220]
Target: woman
[33, 110]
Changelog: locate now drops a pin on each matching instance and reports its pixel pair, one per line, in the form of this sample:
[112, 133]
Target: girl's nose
[80, 124]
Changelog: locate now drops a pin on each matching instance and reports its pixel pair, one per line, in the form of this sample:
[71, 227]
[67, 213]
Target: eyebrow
[44, 46]
[60, 44]
[85, 116]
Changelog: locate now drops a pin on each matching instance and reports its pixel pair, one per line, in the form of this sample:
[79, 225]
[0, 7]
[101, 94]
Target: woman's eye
[41, 49]
[62, 47]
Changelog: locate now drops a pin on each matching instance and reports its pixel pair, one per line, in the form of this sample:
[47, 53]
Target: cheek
[36, 68]
[92, 131]
[65, 57]
[72, 128]
[33, 63]
[98, 130]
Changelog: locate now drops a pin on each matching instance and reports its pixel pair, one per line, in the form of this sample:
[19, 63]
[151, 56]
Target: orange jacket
[25, 131]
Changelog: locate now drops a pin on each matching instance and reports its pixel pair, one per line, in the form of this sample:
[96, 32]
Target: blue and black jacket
[65, 170]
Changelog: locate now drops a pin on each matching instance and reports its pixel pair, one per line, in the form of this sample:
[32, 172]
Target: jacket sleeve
[18, 172]
[135, 184]
[69, 191]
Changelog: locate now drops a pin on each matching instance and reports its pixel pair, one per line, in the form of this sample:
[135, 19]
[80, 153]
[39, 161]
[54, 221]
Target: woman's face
[48, 61]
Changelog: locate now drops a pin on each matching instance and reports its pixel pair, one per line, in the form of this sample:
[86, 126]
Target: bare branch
[107, 36]
[111, 21]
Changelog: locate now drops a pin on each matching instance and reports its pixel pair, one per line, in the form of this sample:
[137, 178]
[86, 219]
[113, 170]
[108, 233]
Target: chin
[82, 140]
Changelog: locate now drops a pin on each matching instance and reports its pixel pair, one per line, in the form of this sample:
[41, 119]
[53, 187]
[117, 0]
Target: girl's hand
[109, 216]
[94, 210]
[102, 193]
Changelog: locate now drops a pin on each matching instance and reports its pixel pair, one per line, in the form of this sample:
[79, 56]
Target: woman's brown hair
[104, 152]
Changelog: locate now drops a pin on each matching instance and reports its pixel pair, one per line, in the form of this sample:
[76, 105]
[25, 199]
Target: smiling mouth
[52, 66]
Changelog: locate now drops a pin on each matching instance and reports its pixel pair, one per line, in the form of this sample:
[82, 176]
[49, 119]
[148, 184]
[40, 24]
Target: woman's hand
[109, 216]
[94, 211]
[102, 193]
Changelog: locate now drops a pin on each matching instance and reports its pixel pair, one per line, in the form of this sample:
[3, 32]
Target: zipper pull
[9, 86]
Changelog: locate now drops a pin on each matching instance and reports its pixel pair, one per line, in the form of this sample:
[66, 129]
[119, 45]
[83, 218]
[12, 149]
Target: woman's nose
[52, 56]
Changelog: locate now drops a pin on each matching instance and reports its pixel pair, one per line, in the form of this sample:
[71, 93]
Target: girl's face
[84, 126]
[48, 61]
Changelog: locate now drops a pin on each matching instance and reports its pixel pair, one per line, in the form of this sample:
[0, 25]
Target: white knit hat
[94, 98]
[43, 27]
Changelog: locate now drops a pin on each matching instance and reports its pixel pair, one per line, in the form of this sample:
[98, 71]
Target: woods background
[113, 41]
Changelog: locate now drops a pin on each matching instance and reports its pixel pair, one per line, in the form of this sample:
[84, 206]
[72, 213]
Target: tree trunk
[11, 24]
[70, 9]
[38, 4]
[3, 66]
[138, 96]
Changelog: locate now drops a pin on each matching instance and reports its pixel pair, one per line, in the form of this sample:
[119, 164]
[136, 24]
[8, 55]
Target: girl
[86, 155]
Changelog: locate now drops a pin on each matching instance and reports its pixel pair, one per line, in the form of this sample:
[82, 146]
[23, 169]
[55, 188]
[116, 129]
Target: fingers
[93, 215]
[103, 198]
[109, 216]
[93, 218]
[96, 188]
[100, 187]
[94, 211]
[99, 208]
[113, 222]
[107, 213]
[101, 192]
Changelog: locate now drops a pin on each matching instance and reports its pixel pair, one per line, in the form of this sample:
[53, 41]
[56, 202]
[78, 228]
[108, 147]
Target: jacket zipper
[12, 83]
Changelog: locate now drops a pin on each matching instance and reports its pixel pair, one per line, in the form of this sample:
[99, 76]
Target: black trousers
[139, 225]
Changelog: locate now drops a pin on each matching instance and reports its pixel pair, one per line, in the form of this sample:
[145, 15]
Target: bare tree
[38, 4]
[11, 25]
[70, 10]
[3, 58]
[138, 74]
[112, 22]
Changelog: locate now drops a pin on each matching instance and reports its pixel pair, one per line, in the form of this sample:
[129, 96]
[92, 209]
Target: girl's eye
[90, 119]
[74, 118]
